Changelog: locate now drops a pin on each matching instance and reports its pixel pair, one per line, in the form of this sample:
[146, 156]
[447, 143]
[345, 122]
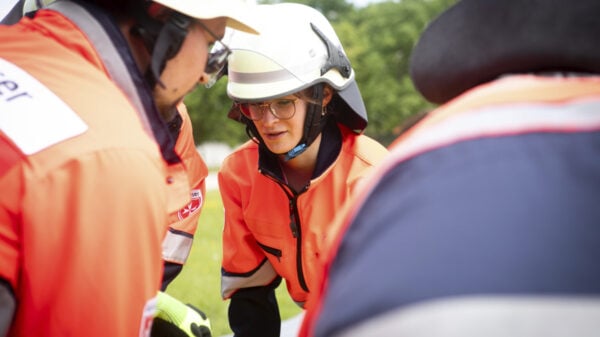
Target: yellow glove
[175, 319]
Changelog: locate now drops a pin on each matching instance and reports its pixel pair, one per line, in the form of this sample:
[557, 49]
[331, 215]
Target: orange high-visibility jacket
[271, 231]
[84, 191]
[184, 222]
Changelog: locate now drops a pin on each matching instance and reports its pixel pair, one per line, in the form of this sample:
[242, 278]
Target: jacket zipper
[297, 232]
[295, 225]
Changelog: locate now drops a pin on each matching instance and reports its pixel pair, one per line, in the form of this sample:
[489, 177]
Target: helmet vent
[336, 57]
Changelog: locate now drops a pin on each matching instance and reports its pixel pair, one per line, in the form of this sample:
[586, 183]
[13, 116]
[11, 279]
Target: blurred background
[378, 37]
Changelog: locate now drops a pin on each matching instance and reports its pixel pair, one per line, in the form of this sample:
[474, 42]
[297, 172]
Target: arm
[248, 278]
[176, 319]
[254, 311]
[183, 223]
[171, 270]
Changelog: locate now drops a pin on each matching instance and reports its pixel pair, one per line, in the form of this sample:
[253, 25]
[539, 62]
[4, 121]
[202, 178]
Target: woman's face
[282, 135]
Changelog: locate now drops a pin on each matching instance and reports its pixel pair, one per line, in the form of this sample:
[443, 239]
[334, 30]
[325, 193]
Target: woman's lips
[274, 135]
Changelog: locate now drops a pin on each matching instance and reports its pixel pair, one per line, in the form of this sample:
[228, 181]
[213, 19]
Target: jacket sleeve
[254, 312]
[244, 262]
[171, 270]
[248, 278]
[183, 224]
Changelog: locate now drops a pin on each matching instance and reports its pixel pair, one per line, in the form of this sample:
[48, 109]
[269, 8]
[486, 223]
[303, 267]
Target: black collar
[329, 149]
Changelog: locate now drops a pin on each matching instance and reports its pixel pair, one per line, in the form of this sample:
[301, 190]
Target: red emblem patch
[192, 207]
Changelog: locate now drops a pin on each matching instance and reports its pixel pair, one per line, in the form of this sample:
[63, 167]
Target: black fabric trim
[254, 312]
[250, 273]
[171, 270]
[329, 149]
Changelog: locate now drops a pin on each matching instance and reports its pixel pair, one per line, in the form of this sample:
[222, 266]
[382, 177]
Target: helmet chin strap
[313, 125]
[162, 40]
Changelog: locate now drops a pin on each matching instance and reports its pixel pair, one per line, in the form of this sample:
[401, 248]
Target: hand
[200, 328]
[175, 319]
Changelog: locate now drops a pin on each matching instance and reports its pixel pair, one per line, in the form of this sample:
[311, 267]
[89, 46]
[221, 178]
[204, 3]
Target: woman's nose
[267, 115]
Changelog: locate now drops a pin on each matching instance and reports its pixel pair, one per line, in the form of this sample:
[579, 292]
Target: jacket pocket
[270, 250]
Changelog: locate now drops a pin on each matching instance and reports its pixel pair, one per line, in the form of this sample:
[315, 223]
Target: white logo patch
[31, 115]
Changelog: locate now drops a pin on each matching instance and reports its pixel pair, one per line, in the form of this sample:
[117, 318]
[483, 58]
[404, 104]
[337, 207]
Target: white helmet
[296, 49]
[33, 5]
[234, 10]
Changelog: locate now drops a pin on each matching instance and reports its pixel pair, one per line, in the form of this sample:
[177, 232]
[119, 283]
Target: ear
[327, 95]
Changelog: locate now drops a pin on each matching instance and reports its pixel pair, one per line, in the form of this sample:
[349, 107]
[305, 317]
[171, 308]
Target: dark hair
[308, 94]
[121, 8]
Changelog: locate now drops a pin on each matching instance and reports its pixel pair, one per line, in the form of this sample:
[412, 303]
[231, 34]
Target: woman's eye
[284, 102]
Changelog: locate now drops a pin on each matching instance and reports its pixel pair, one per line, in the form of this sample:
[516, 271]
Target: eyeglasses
[280, 108]
[217, 58]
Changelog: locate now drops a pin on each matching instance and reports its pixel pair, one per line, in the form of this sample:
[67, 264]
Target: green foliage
[200, 281]
[208, 110]
[378, 39]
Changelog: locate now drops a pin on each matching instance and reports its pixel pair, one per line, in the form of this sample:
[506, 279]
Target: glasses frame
[263, 107]
[216, 61]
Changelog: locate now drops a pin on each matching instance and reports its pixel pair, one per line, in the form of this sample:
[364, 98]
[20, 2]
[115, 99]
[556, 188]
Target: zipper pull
[293, 225]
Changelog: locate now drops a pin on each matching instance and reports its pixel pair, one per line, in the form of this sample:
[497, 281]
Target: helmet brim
[355, 119]
[238, 13]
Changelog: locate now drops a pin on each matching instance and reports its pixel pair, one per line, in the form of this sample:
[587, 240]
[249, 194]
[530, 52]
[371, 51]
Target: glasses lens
[283, 108]
[250, 111]
[216, 58]
[216, 63]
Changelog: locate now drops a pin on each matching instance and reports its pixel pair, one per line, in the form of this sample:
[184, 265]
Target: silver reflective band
[256, 78]
[298, 73]
[176, 247]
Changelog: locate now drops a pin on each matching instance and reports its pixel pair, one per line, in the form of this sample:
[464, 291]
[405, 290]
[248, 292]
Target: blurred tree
[208, 110]
[334, 10]
[378, 39]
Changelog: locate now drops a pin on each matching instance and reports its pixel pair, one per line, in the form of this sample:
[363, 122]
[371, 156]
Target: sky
[362, 3]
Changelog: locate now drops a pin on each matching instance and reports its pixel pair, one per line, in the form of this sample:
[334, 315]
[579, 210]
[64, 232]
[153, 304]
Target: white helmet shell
[238, 13]
[288, 56]
[32, 5]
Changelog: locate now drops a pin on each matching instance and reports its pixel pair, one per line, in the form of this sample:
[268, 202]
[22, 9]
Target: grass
[200, 281]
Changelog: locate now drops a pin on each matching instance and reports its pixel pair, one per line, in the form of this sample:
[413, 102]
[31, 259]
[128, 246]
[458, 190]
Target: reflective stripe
[275, 75]
[264, 275]
[574, 116]
[111, 58]
[487, 316]
[110, 44]
[30, 113]
[177, 246]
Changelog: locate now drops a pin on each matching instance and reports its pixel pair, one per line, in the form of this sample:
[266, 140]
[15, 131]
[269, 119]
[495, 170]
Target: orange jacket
[85, 194]
[258, 210]
[184, 222]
